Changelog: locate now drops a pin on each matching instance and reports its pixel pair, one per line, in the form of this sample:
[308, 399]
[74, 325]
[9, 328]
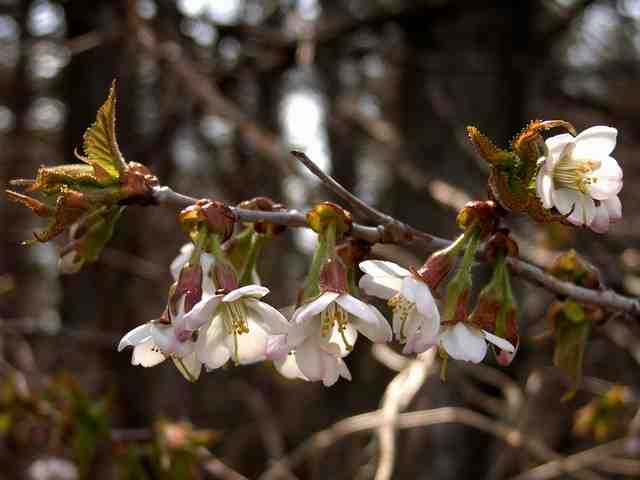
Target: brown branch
[401, 233]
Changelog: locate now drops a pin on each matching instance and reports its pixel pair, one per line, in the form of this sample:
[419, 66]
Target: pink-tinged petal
[412, 289]
[594, 142]
[252, 346]
[277, 347]
[189, 366]
[168, 342]
[309, 358]
[556, 146]
[181, 260]
[499, 342]
[381, 287]
[381, 268]
[146, 354]
[271, 319]
[331, 372]
[366, 318]
[135, 337]
[425, 303]
[420, 342]
[309, 310]
[461, 343]
[600, 223]
[336, 344]
[503, 357]
[254, 291]
[614, 208]
[202, 312]
[606, 180]
[544, 187]
[343, 370]
[210, 346]
[288, 367]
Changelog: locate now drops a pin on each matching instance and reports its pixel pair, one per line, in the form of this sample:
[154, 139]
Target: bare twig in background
[421, 418]
[398, 395]
[599, 457]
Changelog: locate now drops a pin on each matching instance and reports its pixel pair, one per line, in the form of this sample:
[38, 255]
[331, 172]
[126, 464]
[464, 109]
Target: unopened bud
[484, 214]
[265, 204]
[215, 216]
[571, 267]
[190, 285]
[328, 213]
[500, 243]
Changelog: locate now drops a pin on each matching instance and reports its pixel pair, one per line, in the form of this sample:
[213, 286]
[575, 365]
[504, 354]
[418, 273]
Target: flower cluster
[212, 318]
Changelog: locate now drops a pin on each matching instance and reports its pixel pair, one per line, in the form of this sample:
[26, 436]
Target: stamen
[574, 174]
[235, 323]
[335, 314]
[402, 308]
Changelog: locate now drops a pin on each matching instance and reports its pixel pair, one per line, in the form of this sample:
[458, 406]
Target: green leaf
[100, 144]
[571, 341]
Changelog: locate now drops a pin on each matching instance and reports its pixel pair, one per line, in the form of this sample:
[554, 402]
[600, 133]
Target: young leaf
[100, 144]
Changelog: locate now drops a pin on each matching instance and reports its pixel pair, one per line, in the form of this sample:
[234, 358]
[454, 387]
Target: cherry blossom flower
[155, 341]
[580, 179]
[239, 329]
[468, 343]
[416, 319]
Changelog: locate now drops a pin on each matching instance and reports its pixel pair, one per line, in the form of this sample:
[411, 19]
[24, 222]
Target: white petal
[462, 343]
[544, 187]
[614, 207]
[255, 291]
[412, 289]
[309, 310]
[366, 319]
[607, 180]
[600, 223]
[598, 141]
[288, 367]
[189, 366]
[556, 146]
[499, 342]
[135, 337]
[270, 318]
[202, 312]
[411, 325]
[166, 340]
[181, 260]
[564, 199]
[343, 370]
[277, 347]
[146, 354]
[331, 372]
[419, 344]
[381, 268]
[381, 287]
[252, 346]
[336, 344]
[309, 360]
[210, 347]
[425, 303]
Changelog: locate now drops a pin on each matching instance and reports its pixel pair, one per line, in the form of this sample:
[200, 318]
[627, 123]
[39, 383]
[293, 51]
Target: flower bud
[485, 214]
[215, 216]
[436, 268]
[265, 204]
[225, 277]
[571, 267]
[189, 285]
[500, 243]
[328, 213]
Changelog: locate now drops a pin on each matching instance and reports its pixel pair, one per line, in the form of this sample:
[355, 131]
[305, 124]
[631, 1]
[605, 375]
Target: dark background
[378, 93]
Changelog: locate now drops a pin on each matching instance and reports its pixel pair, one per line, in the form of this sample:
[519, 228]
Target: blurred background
[211, 93]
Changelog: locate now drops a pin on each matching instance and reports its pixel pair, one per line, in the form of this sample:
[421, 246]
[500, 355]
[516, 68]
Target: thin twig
[599, 457]
[389, 234]
[397, 396]
[422, 418]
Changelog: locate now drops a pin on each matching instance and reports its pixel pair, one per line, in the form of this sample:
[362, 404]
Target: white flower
[240, 328]
[468, 343]
[319, 360]
[53, 468]
[416, 319]
[579, 176]
[155, 341]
